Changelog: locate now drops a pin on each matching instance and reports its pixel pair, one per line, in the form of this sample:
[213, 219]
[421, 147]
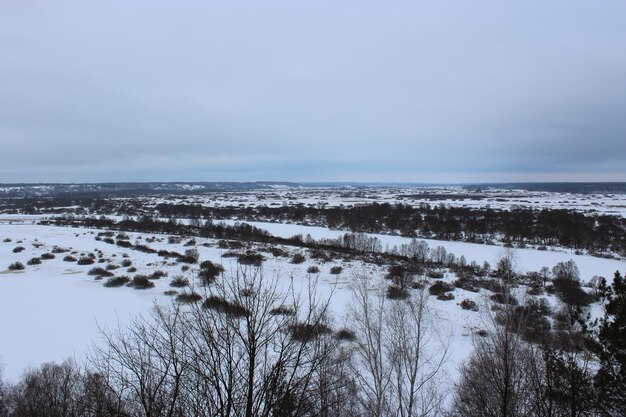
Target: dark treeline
[567, 228]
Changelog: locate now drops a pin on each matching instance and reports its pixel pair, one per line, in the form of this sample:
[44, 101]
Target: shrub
[304, 332]
[282, 311]
[345, 334]
[396, 293]
[124, 244]
[157, 275]
[69, 258]
[7, 240]
[173, 240]
[469, 305]
[298, 258]
[336, 270]
[500, 298]
[126, 263]
[112, 267]
[141, 282]
[108, 240]
[466, 284]
[250, 258]
[169, 254]
[18, 249]
[179, 282]
[440, 287]
[85, 261]
[278, 252]
[117, 281]
[16, 266]
[445, 297]
[47, 256]
[222, 305]
[34, 261]
[170, 293]
[434, 274]
[57, 249]
[191, 242]
[131, 269]
[313, 269]
[143, 248]
[188, 297]
[209, 272]
[100, 272]
[191, 256]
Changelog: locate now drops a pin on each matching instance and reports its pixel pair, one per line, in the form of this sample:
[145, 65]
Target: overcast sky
[339, 90]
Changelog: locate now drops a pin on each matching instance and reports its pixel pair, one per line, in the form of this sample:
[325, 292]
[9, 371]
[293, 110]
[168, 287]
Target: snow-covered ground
[526, 259]
[51, 311]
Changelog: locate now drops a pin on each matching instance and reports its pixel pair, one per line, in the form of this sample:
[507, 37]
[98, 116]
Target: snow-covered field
[54, 310]
[497, 199]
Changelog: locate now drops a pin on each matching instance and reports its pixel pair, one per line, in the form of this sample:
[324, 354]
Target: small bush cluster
[85, 260]
[18, 249]
[16, 266]
[304, 332]
[220, 304]
[117, 282]
[209, 272]
[468, 305]
[282, 311]
[188, 297]
[440, 287]
[345, 334]
[298, 258]
[99, 272]
[69, 258]
[141, 282]
[191, 256]
[336, 270]
[396, 293]
[250, 258]
[313, 269]
[34, 261]
[179, 282]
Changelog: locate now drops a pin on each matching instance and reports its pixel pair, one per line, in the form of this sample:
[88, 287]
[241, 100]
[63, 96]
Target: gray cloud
[351, 90]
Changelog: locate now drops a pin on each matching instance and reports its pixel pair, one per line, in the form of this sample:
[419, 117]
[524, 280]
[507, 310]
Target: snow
[52, 311]
[526, 259]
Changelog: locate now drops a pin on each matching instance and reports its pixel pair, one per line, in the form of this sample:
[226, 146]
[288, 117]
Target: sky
[340, 90]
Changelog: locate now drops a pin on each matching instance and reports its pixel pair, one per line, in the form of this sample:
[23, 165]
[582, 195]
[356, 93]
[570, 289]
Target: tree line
[567, 228]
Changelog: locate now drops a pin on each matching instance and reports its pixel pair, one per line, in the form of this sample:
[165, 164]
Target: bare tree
[254, 347]
[397, 374]
[145, 363]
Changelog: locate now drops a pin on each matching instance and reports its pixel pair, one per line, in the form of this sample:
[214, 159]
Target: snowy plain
[52, 311]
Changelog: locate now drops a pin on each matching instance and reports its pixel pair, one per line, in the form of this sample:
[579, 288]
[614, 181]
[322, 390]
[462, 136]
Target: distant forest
[567, 228]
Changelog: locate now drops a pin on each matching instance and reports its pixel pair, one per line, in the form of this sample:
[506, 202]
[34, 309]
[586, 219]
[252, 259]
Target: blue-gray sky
[339, 90]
